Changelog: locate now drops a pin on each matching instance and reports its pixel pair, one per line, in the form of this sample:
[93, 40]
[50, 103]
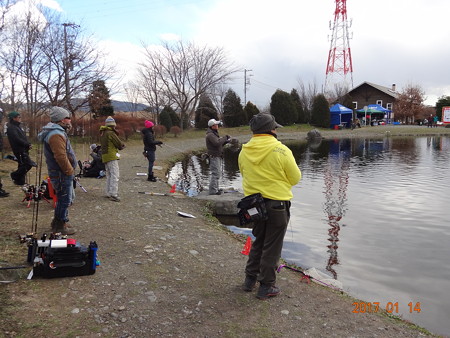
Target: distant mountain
[124, 106]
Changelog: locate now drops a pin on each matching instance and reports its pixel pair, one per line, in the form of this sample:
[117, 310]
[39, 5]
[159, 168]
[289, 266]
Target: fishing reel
[34, 193]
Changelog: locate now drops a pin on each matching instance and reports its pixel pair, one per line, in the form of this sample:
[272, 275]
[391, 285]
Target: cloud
[52, 4]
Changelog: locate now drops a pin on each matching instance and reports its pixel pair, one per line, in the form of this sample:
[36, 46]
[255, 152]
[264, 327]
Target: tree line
[47, 61]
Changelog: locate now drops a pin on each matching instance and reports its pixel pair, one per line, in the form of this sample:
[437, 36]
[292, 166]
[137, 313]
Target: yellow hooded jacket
[267, 166]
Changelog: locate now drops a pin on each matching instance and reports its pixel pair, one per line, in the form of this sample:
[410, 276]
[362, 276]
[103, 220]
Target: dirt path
[164, 275]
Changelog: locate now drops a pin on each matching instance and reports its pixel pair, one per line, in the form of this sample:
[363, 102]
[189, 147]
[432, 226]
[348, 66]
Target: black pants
[266, 249]
[23, 166]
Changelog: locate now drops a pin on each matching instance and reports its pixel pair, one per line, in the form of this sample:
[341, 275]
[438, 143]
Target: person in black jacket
[150, 148]
[20, 147]
[214, 145]
[96, 166]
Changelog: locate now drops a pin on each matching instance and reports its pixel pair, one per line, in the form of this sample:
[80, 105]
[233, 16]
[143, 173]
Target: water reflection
[373, 212]
[191, 175]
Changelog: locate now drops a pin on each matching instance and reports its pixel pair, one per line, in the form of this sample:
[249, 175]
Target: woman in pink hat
[150, 144]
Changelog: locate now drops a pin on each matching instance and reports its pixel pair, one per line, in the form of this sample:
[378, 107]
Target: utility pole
[68, 64]
[246, 83]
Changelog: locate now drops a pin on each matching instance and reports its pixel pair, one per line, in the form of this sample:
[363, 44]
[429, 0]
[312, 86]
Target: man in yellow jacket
[268, 167]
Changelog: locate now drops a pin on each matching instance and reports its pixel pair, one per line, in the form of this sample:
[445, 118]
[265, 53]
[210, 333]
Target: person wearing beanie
[214, 146]
[61, 164]
[150, 144]
[267, 167]
[111, 144]
[20, 146]
[94, 168]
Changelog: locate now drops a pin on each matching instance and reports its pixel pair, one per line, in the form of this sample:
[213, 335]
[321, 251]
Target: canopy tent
[375, 109]
[340, 115]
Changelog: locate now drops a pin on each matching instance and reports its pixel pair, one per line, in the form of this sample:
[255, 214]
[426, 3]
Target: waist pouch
[252, 208]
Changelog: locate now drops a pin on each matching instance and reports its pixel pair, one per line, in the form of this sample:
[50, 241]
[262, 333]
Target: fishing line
[177, 149]
[37, 189]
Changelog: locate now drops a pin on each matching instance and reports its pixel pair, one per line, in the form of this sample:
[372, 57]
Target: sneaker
[266, 290]
[219, 192]
[114, 198]
[249, 283]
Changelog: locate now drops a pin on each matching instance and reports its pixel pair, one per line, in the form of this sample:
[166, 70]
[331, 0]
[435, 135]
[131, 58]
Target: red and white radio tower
[339, 67]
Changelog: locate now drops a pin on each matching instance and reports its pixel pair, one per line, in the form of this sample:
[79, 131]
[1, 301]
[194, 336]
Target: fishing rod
[174, 148]
[152, 193]
[307, 277]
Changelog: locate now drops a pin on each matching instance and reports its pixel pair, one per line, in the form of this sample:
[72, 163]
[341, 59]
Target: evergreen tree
[99, 100]
[174, 117]
[165, 119]
[320, 112]
[443, 101]
[233, 113]
[204, 112]
[282, 106]
[298, 106]
[250, 110]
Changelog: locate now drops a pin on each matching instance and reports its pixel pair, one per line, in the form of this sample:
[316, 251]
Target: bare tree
[151, 88]
[338, 91]
[217, 95]
[49, 62]
[307, 94]
[184, 71]
[132, 91]
[73, 64]
[409, 104]
[19, 56]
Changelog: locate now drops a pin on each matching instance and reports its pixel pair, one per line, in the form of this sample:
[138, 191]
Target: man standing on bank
[111, 144]
[150, 144]
[20, 146]
[61, 164]
[214, 145]
[268, 167]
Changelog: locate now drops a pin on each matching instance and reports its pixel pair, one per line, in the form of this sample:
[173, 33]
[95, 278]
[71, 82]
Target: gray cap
[262, 123]
[58, 114]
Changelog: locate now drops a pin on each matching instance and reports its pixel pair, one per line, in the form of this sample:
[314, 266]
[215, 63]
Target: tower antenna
[339, 70]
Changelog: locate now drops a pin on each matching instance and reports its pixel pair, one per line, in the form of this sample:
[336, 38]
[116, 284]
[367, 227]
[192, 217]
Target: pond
[372, 213]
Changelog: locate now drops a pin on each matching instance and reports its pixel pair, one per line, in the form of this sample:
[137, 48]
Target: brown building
[370, 93]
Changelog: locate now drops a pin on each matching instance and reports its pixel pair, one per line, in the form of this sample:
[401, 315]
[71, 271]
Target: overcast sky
[401, 41]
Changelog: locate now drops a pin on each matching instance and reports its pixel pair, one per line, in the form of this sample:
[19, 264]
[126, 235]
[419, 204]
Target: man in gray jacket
[214, 144]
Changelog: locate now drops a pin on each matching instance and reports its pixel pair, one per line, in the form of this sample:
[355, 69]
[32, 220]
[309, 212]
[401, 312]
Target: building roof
[383, 89]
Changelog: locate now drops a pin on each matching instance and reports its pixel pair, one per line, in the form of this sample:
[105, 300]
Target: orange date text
[390, 307]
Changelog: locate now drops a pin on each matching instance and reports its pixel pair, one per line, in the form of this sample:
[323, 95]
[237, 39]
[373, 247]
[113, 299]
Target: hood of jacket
[50, 128]
[105, 128]
[145, 131]
[259, 147]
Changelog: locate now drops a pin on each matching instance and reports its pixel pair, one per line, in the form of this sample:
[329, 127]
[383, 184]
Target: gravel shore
[165, 275]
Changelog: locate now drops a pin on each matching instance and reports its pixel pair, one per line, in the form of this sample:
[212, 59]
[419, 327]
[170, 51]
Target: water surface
[372, 213]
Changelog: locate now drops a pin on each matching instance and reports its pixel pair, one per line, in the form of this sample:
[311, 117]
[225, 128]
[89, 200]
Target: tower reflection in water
[336, 182]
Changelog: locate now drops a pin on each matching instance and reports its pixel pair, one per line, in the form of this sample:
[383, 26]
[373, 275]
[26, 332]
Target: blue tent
[340, 115]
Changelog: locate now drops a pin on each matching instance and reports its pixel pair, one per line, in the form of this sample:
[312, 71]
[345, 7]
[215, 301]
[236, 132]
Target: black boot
[249, 283]
[151, 178]
[3, 193]
[267, 290]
